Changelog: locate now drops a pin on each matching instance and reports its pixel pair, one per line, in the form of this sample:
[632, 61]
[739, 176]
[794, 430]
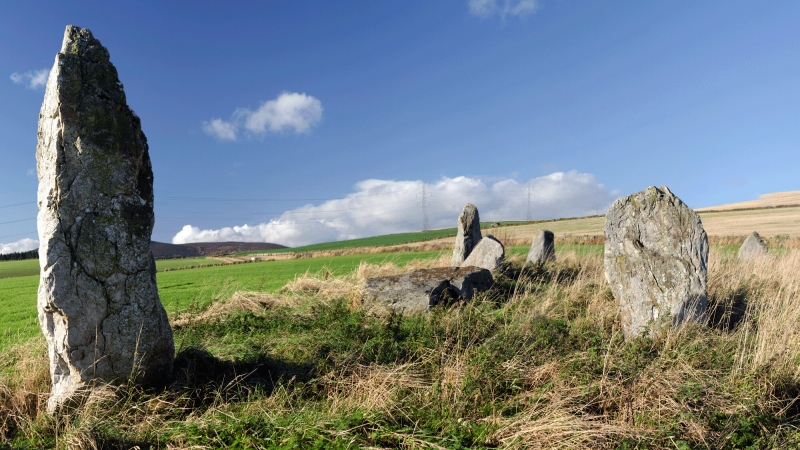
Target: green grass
[26, 267]
[180, 289]
[18, 309]
[500, 371]
[162, 264]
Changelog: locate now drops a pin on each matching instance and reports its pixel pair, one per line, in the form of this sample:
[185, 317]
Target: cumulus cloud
[22, 245]
[386, 206]
[31, 79]
[221, 129]
[289, 111]
[503, 8]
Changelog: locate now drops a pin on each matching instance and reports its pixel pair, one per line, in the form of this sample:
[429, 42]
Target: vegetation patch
[537, 362]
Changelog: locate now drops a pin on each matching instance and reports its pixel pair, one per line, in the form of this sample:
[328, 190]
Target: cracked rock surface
[98, 302]
[469, 234]
[656, 261]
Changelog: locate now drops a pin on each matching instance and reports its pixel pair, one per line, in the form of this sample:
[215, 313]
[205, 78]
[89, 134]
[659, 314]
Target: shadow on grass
[513, 274]
[206, 378]
[727, 313]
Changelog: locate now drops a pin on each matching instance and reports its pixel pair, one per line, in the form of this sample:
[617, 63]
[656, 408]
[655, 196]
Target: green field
[27, 267]
[180, 288]
[162, 264]
[12, 269]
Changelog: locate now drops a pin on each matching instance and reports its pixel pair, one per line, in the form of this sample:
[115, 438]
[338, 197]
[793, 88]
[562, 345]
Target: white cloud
[31, 79]
[22, 245]
[385, 206]
[289, 111]
[221, 129]
[504, 8]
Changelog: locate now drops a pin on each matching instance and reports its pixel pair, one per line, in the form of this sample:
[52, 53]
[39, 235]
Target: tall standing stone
[656, 259]
[469, 234]
[753, 247]
[542, 248]
[98, 302]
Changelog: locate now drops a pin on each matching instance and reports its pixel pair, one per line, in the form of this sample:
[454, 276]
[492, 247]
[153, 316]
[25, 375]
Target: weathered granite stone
[488, 254]
[469, 234]
[656, 259]
[419, 290]
[753, 247]
[542, 249]
[98, 302]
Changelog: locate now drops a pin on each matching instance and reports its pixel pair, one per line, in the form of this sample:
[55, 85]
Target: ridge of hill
[773, 200]
[163, 250]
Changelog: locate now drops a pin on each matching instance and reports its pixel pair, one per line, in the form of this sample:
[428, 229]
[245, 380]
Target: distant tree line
[32, 254]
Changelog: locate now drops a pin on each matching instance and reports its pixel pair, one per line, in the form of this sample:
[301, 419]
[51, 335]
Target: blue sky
[340, 109]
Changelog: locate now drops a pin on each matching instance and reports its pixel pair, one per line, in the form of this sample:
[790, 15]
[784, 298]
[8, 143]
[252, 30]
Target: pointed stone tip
[79, 41]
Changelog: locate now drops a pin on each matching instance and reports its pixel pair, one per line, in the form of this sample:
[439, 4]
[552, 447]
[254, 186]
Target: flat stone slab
[420, 290]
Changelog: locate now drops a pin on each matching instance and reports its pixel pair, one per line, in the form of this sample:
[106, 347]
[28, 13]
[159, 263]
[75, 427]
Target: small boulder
[656, 260]
[420, 290]
[753, 247]
[488, 254]
[542, 249]
[469, 234]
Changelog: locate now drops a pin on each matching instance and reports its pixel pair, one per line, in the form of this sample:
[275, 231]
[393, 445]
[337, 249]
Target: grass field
[179, 289]
[539, 362]
[12, 269]
[27, 267]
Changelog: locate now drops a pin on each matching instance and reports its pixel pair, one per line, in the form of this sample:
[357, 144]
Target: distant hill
[773, 200]
[162, 250]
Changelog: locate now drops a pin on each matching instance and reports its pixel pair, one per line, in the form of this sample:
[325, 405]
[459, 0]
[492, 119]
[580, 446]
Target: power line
[424, 205]
[223, 199]
[529, 215]
[15, 221]
[18, 204]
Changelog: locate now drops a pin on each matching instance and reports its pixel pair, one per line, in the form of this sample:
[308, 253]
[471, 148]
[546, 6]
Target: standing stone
[656, 259]
[489, 254]
[753, 247]
[542, 249]
[469, 234]
[98, 302]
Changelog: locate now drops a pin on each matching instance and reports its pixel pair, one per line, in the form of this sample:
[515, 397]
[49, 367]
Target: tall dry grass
[745, 361]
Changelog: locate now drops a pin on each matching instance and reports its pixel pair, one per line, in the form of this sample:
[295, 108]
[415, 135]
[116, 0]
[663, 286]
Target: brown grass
[756, 308]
